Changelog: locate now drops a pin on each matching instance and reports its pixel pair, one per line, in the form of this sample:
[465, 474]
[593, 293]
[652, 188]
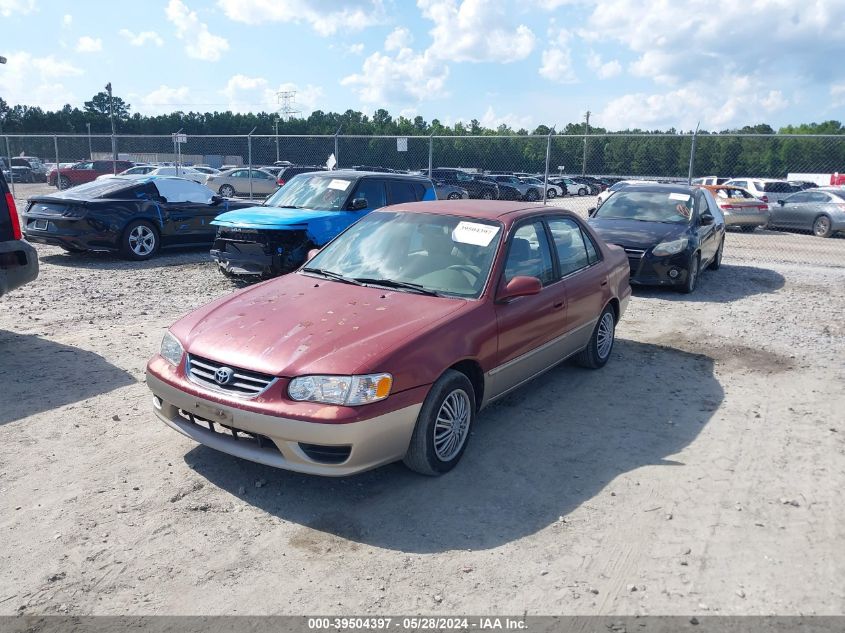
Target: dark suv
[287, 173]
[18, 260]
[476, 186]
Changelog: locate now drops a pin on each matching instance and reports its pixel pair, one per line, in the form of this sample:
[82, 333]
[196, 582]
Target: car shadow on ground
[729, 283]
[535, 456]
[101, 260]
[37, 374]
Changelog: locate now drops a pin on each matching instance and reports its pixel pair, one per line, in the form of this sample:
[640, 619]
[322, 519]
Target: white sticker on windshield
[340, 185]
[683, 197]
[474, 233]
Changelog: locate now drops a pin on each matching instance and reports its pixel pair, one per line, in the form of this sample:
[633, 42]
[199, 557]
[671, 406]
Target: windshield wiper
[405, 285]
[332, 275]
[287, 206]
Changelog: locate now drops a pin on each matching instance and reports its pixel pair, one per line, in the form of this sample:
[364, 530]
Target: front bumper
[648, 270]
[244, 258]
[18, 265]
[372, 442]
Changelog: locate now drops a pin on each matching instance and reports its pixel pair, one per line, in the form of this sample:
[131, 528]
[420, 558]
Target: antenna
[287, 104]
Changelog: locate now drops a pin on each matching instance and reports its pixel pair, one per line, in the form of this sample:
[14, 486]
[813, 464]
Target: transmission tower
[287, 104]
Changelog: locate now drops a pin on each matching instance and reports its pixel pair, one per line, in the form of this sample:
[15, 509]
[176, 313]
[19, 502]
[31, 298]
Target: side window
[240, 173]
[817, 196]
[592, 249]
[741, 183]
[569, 244]
[373, 190]
[529, 254]
[799, 197]
[400, 192]
[419, 189]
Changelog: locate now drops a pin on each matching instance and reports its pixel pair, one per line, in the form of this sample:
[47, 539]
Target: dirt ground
[700, 472]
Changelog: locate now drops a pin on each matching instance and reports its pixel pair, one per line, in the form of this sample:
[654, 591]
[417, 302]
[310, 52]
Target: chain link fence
[553, 158]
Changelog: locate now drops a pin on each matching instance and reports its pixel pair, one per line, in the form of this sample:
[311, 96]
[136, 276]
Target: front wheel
[64, 183]
[551, 193]
[443, 425]
[822, 226]
[227, 191]
[486, 195]
[532, 195]
[140, 241]
[582, 192]
[692, 274]
[597, 352]
[454, 196]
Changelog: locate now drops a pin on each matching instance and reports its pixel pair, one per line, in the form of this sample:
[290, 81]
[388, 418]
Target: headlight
[345, 390]
[670, 248]
[171, 348]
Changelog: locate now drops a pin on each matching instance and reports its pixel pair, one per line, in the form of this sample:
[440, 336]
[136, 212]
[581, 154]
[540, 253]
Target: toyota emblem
[223, 375]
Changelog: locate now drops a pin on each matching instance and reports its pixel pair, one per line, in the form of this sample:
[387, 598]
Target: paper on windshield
[474, 233]
[683, 197]
[340, 185]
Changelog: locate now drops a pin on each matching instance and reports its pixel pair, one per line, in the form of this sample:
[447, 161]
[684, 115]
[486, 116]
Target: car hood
[270, 217]
[298, 324]
[635, 233]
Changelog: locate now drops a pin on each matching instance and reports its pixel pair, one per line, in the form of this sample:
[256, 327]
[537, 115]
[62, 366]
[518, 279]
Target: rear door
[789, 214]
[708, 234]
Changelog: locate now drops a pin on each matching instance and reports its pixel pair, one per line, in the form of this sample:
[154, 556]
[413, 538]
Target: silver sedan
[821, 211]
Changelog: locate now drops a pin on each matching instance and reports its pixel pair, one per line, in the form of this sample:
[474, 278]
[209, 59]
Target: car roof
[658, 188]
[353, 173]
[504, 210]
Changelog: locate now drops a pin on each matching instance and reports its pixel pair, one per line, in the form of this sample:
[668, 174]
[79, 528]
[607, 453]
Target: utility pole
[113, 140]
[90, 151]
[586, 132]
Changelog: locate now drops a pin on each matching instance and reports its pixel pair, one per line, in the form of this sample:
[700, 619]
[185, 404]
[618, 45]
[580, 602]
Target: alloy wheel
[604, 336]
[142, 240]
[451, 427]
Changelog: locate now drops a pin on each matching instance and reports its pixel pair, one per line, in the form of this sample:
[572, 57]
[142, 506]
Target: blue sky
[632, 64]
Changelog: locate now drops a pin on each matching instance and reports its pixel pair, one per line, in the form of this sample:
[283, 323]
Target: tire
[551, 193]
[716, 264]
[747, 229]
[63, 183]
[227, 191]
[822, 226]
[597, 352]
[454, 196]
[582, 192]
[532, 195]
[452, 397]
[140, 241]
[486, 195]
[692, 275]
[72, 249]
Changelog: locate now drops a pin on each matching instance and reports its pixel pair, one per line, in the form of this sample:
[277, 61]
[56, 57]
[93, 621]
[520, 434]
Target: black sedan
[670, 232]
[133, 216]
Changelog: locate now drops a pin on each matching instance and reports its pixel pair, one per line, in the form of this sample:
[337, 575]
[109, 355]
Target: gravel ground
[700, 472]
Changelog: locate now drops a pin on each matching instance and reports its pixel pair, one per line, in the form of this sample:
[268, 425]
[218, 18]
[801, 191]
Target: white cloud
[67, 21]
[326, 17]
[604, 70]
[405, 77]
[737, 100]
[199, 42]
[36, 81]
[837, 95]
[356, 49]
[476, 31]
[556, 60]
[8, 7]
[139, 39]
[399, 38]
[491, 120]
[164, 99]
[87, 44]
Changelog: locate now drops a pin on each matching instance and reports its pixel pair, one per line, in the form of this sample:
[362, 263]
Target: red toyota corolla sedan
[386, 344]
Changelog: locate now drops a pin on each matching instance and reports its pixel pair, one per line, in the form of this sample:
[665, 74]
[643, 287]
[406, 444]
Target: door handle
[604, 283]
[557, 306]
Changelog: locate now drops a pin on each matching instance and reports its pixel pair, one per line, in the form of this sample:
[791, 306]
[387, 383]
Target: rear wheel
[64, 182]
[227, 191]
[597, 353]
[822, 226]
[487, 194]
[454, 196]
[140, 241]
[551, 193]
[692, 274]
[531, 195]
[582, 192]
[443, 425]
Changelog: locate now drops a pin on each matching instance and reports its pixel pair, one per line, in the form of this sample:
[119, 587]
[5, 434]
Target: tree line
[757, 150]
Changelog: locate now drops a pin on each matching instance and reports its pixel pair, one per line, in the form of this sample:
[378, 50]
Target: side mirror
[358, 203]
[592, 212]
[781, 202]
[313, 253]
[215, 199]
[520, 286]
[706, 219]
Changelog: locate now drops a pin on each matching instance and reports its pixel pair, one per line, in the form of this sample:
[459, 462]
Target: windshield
[310, 191]
[438, 253]
[647, 206]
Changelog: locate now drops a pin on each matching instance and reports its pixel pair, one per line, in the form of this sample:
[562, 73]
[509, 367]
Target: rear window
[110, 187]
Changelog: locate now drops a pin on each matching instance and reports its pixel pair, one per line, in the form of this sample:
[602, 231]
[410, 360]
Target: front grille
[243, 382]
[237, 435]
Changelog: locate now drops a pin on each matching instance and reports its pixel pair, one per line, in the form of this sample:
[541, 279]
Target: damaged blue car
[307, 212]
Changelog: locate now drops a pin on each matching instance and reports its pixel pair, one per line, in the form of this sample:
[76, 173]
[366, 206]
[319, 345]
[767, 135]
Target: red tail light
[762, 208]
[13, 216]
[764, 198]
[280, 181]
[727, 206]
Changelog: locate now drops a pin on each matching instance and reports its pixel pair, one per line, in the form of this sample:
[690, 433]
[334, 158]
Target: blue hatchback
[307, 212]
